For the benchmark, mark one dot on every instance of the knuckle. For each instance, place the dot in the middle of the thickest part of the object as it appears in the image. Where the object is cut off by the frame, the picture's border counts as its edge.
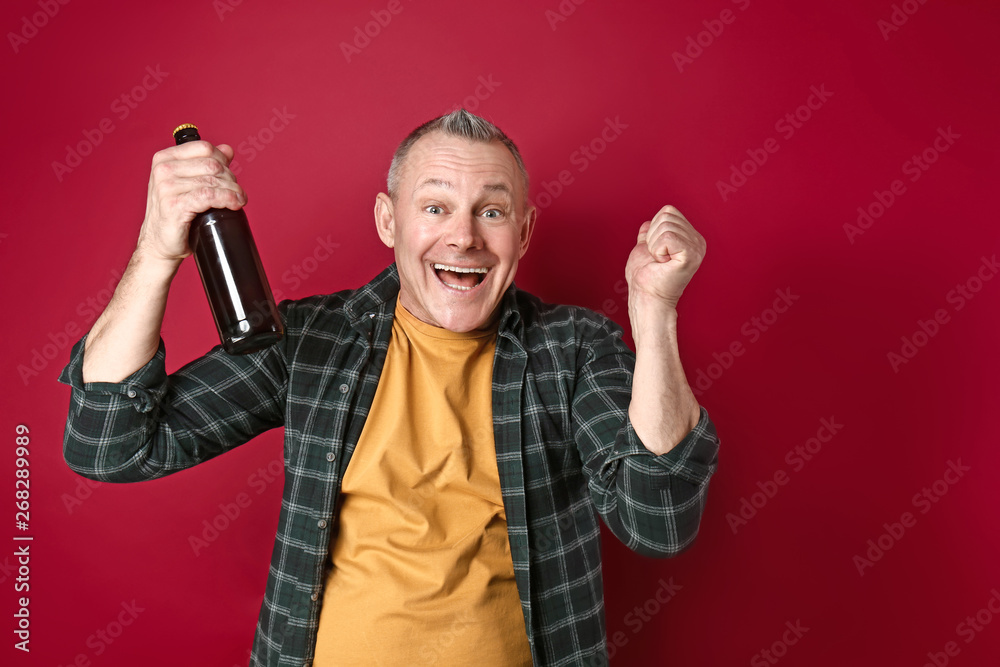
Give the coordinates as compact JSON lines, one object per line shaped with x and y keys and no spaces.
{"x":213,"y":166}
{"x":200,"y":148}
{"x":160,"y":156}
{"x":161,"y":170}
{"x":205,"y":193}
{"x":169,"y":204}
{"x":206,"y":180}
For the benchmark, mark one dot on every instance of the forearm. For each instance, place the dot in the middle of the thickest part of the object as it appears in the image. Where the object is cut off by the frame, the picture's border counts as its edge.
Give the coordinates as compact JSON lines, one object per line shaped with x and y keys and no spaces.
{"x":127,"y":334}
{"x":663,"y":408}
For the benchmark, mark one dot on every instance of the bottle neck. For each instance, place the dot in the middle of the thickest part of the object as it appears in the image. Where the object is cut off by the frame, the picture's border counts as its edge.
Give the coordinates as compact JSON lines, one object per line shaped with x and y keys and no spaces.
{"x":186,"y":135}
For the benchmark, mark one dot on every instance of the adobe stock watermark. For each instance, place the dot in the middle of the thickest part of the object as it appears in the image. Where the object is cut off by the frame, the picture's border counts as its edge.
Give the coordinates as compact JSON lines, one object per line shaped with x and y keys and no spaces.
{"x":612,"y":305}
{"x":83,"y":491}
{"x":797,"y":458}
{"x":56,"y":341}
{"x":30,"y":25}
{"x":779,"y":647}
{"x":581,"y":158}
{"x":968,"y":629}
{"x":254,"y":144}
{"x":470,"y":447}
{"x":7,"y":569}
{"x":638,"y":618}
{"x":752,"y":329}
{"x":915,"y":167}
{"x":563,"y":11}
{"x":223,"y":7}
{"x":302,"y":269}
{"x":278,"y":636}
{"x":121,"y":107}
{"x":548,"y":538}
{"x":430,"y":654}
{"x":958,"y":296}
{"x":922,"y":501}
{"x":786,"y":126}
{"x":484,"y":90}
{"x":898,"y":18}
{"x":229,"y":512}
{"x":365,"y":34}
{"x":695,"y":45}
{"x":103,"y":637}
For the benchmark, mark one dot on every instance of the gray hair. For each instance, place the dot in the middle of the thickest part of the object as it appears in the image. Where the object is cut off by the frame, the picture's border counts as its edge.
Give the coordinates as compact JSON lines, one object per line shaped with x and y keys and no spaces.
{"x":458,"y":123}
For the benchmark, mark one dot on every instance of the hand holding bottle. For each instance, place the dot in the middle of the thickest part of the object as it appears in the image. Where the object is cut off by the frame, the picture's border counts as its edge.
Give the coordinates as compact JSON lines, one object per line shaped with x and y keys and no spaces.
{"x":185,"y":180}
{"x":224,"y":250}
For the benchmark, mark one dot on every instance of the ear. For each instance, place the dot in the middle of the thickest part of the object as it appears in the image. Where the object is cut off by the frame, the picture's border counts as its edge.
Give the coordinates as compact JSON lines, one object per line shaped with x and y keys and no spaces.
{"x":385,"y":220}
{"x":527,"y":228}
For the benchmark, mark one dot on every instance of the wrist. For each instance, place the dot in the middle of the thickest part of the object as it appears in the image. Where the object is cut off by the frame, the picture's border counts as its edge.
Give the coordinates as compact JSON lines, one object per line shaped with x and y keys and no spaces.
{"x":651,"y":317}
{"x":152,"y":266}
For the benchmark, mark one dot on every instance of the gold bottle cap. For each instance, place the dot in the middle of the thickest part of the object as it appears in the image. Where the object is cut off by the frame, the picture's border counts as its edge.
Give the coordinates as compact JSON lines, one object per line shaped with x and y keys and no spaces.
{"x":184,"y":127}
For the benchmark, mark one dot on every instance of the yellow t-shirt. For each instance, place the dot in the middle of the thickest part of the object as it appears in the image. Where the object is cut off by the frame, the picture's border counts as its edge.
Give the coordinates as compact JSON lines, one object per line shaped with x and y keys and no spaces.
{"x":422,"y":572}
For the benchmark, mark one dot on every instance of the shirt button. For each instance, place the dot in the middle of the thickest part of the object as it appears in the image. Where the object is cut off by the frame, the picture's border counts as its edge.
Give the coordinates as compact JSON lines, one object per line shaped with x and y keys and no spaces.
{"x":314,"y":597}
{"x":330,"y":456}
{"x":344,"y":389}
{"x":321,"y":523}
{"x":131,"y":393}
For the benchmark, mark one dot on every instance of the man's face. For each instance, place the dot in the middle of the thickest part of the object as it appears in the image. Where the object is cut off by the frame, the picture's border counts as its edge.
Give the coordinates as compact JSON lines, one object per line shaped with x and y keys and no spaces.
{"x":460,"y":206}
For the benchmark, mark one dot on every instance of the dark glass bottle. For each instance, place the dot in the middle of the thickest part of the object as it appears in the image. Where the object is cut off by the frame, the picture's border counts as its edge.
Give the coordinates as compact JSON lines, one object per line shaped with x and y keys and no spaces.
{"x":231,"y":271}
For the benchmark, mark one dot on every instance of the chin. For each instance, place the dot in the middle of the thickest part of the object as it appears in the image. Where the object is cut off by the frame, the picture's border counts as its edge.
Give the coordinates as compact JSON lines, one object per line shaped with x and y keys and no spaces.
{"x":463,"y":320}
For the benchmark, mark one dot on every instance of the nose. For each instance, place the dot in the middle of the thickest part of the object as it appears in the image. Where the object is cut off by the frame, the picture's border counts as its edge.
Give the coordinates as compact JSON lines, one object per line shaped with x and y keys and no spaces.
{"x":463,"y":233}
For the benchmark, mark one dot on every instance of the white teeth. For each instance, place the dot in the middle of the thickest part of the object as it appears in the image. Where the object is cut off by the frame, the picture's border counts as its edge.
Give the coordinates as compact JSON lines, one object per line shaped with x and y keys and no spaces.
{"x":457,"y":269}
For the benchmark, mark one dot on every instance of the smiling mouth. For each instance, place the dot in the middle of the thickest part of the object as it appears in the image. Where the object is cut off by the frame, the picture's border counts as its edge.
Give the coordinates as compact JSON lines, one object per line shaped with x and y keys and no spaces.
{"x":460,"y":278}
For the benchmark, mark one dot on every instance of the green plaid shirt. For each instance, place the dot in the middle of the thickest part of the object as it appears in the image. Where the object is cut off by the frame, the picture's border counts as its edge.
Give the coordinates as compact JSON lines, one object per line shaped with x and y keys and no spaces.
{"x":566,"y":452}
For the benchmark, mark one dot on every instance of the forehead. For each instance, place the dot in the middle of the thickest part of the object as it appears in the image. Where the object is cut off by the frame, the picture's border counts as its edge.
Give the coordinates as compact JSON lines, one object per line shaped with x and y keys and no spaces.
{"x":459,"y":162}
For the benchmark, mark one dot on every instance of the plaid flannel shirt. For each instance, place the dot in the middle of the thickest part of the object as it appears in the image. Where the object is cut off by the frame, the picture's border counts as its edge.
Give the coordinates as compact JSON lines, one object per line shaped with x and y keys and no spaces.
{"x":565,"y":448}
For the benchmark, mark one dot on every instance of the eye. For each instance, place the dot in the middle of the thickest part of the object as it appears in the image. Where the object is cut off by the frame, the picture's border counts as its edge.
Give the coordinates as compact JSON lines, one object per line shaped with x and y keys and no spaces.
{"x":493,"y":213}
{"x":434,"y":210}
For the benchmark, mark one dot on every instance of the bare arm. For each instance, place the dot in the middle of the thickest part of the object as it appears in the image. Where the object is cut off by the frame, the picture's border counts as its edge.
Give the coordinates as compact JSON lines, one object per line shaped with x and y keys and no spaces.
{"x":663,"y":408}
{"x":668,"y":252}
{"x":184,"y":180}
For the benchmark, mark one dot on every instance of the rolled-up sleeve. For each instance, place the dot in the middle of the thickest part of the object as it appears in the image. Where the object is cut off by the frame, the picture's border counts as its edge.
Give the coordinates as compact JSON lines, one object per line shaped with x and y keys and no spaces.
{"x":152,"y":424}
{"x":652,"y":503}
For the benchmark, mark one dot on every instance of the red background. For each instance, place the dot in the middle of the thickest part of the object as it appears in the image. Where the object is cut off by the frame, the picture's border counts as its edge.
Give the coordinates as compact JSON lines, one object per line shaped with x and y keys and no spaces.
{"x":553,"y":84}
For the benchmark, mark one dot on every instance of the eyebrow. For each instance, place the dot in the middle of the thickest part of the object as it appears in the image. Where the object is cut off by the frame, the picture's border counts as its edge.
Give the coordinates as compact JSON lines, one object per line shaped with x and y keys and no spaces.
{"x":447,"y":185}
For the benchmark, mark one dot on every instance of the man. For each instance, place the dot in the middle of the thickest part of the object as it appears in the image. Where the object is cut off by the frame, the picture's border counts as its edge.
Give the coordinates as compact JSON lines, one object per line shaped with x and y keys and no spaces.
{"x":457,"y":525}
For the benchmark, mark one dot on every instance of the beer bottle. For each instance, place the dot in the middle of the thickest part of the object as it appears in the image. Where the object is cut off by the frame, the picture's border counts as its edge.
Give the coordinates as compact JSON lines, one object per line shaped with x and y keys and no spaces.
{"x":232,"y":274}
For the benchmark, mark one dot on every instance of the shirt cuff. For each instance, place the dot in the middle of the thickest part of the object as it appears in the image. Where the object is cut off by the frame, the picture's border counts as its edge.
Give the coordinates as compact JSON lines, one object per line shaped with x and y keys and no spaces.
{"x":693,"y":459}
{"x":143,"y":389}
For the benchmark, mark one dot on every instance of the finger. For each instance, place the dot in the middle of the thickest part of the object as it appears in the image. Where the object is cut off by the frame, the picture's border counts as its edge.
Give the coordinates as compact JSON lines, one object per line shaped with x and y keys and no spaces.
{"x":672,"y":221}
{"x":177,"y":186}
{"x":670,"y":210}
{"x":195,"y":149}
{"x":228,"y":151}
{"x":680,"y":226}
{"x":664,"y":226}
{"x":200,"y":193}
{"x":669,"y":226}
{"x":192,"y":167}
{"x":184,"y":151}
{"x":669,"y":246}
{"x":643,"y":232}
{"x":671,"y":214}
